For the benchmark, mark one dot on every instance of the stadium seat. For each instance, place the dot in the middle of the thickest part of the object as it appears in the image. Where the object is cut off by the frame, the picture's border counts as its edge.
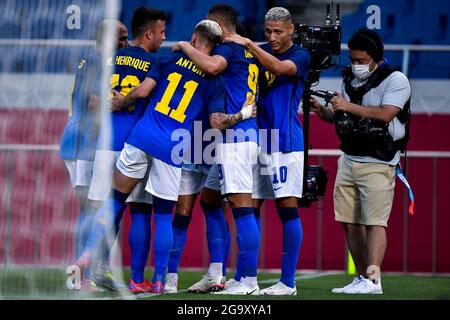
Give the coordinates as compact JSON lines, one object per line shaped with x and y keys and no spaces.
{"x":443,"y":30}
{"x":24,"y":234}
{"x":25,"y":59}
{"x":53,"y":126}
{"x":51,"y":207}
{"x":10,"y":30}
{"x":57,"y":60}
{"x":43,"y":28}
{"x":406,"y":32}
{"x":351,"y":23}
{"x":431,"y":6}
{"x":386,"y":6}
{"x":429,"y":72}
{"x":3,"y":203}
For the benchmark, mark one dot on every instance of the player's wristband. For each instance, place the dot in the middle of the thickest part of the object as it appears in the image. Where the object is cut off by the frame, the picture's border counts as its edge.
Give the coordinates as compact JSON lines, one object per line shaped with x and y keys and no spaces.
{"x":247,"y":112}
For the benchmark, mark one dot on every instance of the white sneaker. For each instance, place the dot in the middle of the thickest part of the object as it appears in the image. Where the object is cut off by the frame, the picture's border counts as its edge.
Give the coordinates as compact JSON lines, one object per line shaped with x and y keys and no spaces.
{"x":355,"y":281}
{"x":230,"y":283}
{"x":366,"y":287}
{"x":240,"y":289}
{"x":171,"y":283}
{"x":207,"y":284}
{"x":279,"y":289}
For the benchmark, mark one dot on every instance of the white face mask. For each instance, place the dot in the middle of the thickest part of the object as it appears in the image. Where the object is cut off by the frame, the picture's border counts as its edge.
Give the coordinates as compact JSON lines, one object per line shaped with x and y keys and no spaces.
{"x":362,"y":71}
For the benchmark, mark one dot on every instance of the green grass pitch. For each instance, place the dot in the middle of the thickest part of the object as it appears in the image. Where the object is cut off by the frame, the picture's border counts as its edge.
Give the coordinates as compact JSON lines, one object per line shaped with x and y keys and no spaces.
{"x":19,"y":283}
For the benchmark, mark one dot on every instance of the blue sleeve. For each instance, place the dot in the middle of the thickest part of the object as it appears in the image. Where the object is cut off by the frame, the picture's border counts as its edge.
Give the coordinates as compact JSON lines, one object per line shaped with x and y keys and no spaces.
{"x":87,"y":78}
{"x":224,"y":50}
{"x":302,"y":59}
{"x":155,"y":70}
{"x":216,"y":101}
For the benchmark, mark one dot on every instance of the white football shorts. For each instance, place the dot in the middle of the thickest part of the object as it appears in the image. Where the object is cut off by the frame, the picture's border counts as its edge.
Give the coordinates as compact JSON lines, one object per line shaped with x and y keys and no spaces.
{"x":163,"y":179}
{"x":80,"y":172}
{"x":104,"y":165}
{"x":279,"y":175}
{"x":235,"y":167}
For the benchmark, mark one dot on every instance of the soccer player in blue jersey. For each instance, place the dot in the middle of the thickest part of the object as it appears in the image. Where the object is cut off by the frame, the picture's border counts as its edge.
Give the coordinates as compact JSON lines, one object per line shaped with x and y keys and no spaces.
{"x":77,"y":145}
{"x":194,"y":173}
{"x":131,"y":65}
{"x":281,"y":164}
{"x":180,"y":93}
{"x":236,"y":158}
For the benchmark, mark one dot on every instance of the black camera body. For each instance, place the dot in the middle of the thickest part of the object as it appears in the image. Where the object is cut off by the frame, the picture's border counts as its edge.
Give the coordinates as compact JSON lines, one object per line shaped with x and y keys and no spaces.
{"x":323,"y":42}
{"x":315,"y":186}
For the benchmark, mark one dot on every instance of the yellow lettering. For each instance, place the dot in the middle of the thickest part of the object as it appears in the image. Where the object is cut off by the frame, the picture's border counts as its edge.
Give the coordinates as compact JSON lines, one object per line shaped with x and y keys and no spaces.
{"x":179,"y":62}
{"x":146,"y":66}
{"x":135,"y":63}
{"x":248,"y":54}
{"x":185,"y":63}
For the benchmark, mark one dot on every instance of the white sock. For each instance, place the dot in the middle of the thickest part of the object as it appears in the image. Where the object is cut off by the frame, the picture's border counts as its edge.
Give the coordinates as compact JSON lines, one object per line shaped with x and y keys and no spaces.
{"x":215,"y":269}
{"x":250,"y":282}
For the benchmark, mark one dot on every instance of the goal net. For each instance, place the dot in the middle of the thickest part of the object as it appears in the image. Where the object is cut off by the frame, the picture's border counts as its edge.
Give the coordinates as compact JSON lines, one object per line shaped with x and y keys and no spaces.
{"x":44,"y":46}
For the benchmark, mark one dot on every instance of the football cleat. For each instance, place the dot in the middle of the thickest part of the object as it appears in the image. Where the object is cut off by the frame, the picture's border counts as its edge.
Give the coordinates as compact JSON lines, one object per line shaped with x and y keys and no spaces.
{"x":230,"y":283}
{"x":279,"y":289}
{"x":207,"y":284}
{"x":157,"y":287}
{"x":136,"y":288}
{"x":240,"y":289}
{"x":87,"y":285}
{"x":171,"y":283}
{"x":106,"y":280}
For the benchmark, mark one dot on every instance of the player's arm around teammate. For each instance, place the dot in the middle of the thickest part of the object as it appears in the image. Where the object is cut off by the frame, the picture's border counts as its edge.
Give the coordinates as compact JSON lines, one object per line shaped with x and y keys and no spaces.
{"x":281,"y":167}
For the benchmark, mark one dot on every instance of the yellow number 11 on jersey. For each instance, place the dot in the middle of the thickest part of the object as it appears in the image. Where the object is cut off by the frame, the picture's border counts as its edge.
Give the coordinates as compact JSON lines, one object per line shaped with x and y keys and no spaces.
{"x":177,"y":114}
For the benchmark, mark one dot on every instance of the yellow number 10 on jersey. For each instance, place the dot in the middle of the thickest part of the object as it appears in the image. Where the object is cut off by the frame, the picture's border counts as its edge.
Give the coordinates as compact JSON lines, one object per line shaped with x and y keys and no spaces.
{"x":126,"y":85}
{"x":179,"y":113}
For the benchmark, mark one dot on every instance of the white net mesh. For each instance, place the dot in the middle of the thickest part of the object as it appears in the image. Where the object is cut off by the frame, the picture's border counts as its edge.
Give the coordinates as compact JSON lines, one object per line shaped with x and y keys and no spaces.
{"x":43,"y":44}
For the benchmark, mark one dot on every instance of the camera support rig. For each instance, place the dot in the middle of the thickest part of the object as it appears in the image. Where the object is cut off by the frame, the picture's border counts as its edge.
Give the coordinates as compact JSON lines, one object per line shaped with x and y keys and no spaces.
{"x":324,"y":45}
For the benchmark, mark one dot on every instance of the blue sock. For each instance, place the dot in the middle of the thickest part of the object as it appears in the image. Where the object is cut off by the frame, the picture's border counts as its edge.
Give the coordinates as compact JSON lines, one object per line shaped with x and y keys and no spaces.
{"x":163,"y":238}
{"x":240,"y":260}
{"x":139,"y":238}
{"x":292,"y":241}
{"x":239,"y":263}
{"x":247,"y":232}
{"x":227,"y":251}
{"x":103,"y":249}
{"x":180,"y":225}
{"x":81,"y":229}
{"x":105,"y":218}
{"x":216,"y":228}
{"x":84,"y":220}
{"x":257,"y":213}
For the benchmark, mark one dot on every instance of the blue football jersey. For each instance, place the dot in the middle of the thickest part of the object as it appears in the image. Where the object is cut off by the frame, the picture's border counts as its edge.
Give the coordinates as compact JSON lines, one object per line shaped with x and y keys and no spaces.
{"x":202,"y":147}
{"x":80,"y":134}
{"x":131,"y":65}
{"x":241,"y":80}
{"x":279,"y":102}
{"x":182,"y":93}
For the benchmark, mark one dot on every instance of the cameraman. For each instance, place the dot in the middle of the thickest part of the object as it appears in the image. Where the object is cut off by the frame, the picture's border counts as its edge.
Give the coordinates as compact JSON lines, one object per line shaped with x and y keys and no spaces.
{"x":369,"y":116}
